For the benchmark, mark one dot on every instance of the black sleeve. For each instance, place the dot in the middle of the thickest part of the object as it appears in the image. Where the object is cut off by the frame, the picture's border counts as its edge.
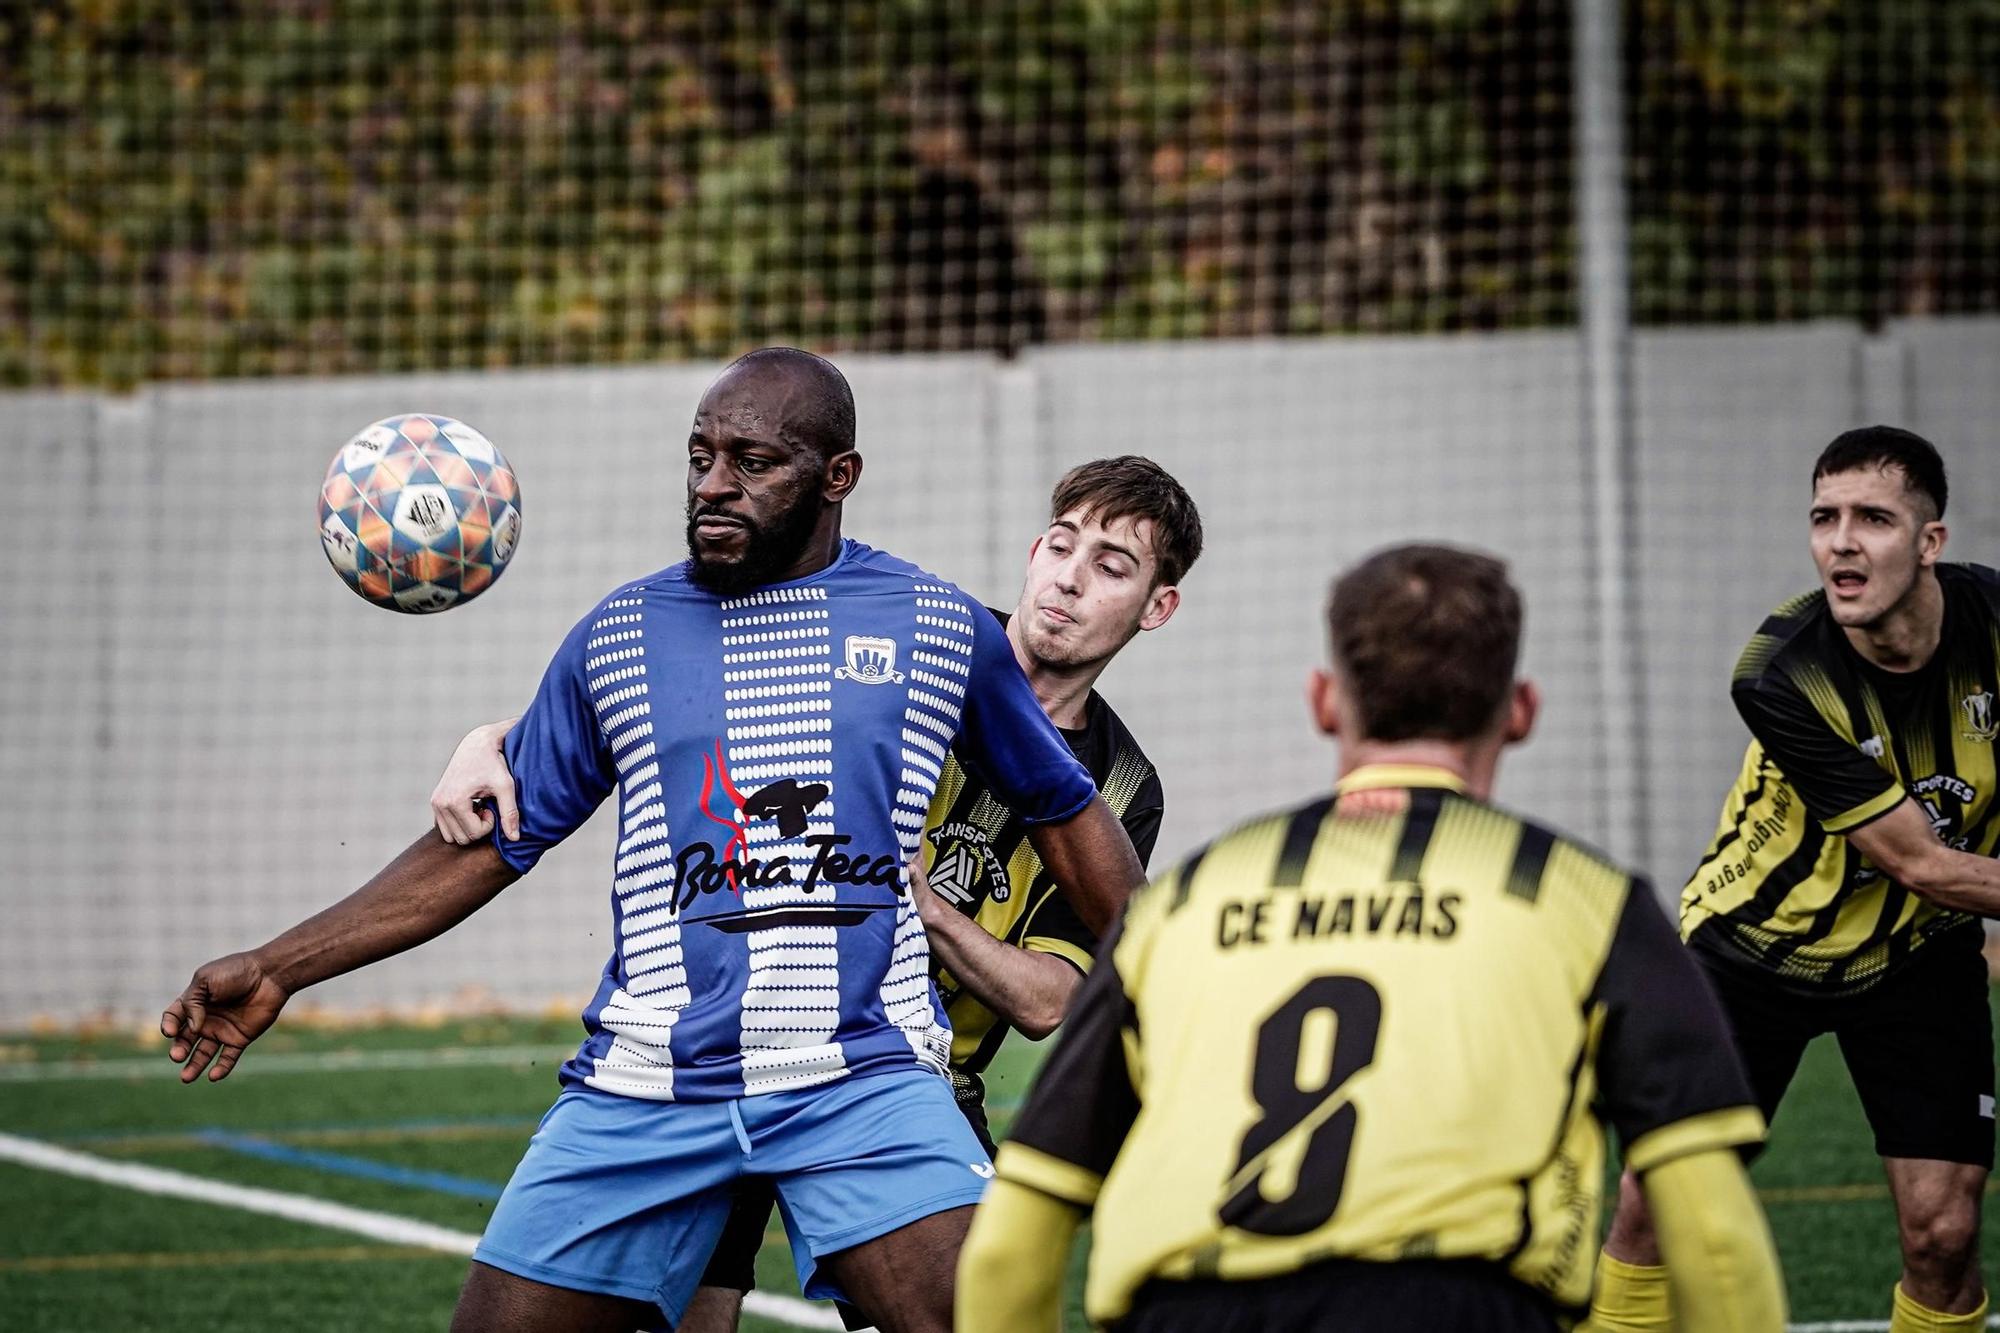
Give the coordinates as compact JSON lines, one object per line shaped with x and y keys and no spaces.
{"x":1083,"y":1103}
{"x":1053,"y":922}
{"x":1665,"y":1058}
{"x":1143,"y":816}
{"x":1053,"y":927}
{"x":1841,"y":787}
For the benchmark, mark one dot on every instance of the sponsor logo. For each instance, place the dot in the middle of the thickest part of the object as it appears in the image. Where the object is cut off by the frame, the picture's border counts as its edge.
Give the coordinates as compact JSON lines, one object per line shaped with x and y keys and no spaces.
{"x":425,"y":598}
{"x":787,"y":802}
{"x":702,"y":868}
{"x":1947,"y":782}
{"x":424,"y":513}
{"x":1940,"y":822}
{"x":984,"y":1170}
{"x":1979,"y":720}
{"x":870,"y":661}
{"x":506,"y":533}
{"x":368,"y":446}
{"x":1958,"y":789}
{"x":341,"y":545}
{"x":965,"y":870}
{"x":1754,"y":840}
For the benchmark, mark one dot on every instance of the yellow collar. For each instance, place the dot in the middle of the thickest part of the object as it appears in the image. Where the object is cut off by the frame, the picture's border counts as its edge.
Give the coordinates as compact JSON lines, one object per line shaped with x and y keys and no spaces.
{"x":1374,"y":777}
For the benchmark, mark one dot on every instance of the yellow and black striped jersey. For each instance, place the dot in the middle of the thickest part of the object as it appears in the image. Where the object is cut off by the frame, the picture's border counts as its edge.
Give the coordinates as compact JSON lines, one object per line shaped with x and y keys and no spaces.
{"x":981,"y":862}
{"x":1838,"y":742}
{"x":1389,"y":1024}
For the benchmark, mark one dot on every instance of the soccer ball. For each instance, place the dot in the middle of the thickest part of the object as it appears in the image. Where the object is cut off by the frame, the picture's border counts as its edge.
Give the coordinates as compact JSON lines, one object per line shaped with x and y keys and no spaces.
{"x":419,"y":513}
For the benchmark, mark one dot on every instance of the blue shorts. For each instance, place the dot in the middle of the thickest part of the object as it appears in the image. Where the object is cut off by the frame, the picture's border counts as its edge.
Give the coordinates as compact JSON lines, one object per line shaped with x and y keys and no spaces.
{"x":627,"y":1196}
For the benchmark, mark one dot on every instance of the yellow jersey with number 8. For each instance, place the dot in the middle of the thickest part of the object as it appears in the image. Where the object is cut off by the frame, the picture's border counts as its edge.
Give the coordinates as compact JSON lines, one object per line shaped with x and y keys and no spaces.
{"x":1380,"y":1026}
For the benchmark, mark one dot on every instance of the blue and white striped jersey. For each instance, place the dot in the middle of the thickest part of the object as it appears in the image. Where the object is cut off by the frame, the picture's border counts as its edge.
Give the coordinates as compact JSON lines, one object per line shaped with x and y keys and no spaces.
{"x":773,"y":756}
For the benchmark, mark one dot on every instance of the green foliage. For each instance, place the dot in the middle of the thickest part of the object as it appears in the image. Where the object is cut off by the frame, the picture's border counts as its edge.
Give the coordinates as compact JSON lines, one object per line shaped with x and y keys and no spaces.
{"x":328,"y":186}
{"x":1797,"y":159}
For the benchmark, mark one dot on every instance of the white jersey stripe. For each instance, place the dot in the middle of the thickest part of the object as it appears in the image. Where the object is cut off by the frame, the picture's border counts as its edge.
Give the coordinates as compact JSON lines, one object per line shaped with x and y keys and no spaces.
{"x":786,"y":1011}
{"x":641,"y":1015}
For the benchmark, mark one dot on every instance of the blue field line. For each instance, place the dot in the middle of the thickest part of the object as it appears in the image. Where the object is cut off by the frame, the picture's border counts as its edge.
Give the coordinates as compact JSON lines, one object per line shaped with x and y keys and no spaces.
{"x":249,"y":1145}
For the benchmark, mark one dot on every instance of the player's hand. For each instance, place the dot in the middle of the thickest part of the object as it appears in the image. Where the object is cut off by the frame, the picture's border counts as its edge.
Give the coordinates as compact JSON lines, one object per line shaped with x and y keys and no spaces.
{"x":227,"y":1006}
{"x":927,"y":903}
{"x":477,"y":771}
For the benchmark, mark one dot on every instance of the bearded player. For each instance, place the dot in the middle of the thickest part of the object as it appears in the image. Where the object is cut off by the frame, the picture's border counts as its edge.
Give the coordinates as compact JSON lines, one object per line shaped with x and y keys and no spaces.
{"x":774,"y":714}
{"x":1008,"y":948}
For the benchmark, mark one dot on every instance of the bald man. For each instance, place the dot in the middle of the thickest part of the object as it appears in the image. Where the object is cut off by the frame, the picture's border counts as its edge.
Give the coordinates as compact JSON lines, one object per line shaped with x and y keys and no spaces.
{"x":773,"y":713}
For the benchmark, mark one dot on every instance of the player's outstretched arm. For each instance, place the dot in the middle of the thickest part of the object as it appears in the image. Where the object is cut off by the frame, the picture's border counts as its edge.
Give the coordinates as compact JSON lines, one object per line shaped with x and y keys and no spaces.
{"x":1907,"y":849}
{"x":1030,"y":990}
{"x":1090,"y":856}
{"x":477,"y":771}
{"x":1716,"y":1244}
{"x":418,"y":896}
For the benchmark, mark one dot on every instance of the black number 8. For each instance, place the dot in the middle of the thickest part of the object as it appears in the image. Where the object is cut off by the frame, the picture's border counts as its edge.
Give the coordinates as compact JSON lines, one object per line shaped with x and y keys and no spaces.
{"x":1275,"y":1075}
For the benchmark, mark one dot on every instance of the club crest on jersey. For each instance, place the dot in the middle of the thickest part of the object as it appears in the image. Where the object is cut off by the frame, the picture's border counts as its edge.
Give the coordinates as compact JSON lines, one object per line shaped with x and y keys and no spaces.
{"x":870,"y":661}
{"x":1979,"y":721}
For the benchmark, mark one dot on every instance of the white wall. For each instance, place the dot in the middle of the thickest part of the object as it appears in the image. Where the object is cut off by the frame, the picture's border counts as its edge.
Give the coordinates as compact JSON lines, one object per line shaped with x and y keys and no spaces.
{"x":204,"y":736}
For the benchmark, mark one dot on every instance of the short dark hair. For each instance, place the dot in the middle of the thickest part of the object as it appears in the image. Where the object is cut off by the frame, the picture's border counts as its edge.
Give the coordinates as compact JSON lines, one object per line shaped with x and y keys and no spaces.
{"x":1129,"y":486}
{"x":824,"y":419}
{"x":1887,"y":447}
{"x":1425,"y":639}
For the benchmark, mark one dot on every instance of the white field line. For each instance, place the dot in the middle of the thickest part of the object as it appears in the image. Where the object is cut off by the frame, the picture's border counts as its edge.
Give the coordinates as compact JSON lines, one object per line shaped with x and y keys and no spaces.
{"x":178,"y":1185}
{"x":319,"y":1212}
{"x":295,"y":1062}
{"x":1859,"y":1325}
{"x":403,"y":1231}
{"x":790,"y":1310}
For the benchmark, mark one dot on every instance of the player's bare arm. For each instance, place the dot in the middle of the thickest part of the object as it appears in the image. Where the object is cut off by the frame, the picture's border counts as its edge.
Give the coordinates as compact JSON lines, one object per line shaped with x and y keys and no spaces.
{"x":477,"y":772}
{"x":428,"y":889}
{"x":1030,"y":990}
{"x":1091,"y":857}
{"x":1905,"y":846}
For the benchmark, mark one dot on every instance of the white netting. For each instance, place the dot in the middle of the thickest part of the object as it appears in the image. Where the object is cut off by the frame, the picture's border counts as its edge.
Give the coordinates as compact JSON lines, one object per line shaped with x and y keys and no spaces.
{"x":1318,"y":260}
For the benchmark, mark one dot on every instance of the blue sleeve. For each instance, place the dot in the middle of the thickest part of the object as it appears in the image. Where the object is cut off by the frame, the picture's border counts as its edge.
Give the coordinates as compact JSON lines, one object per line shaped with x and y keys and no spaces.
{"x":1009,"y":741}
{"x":562,"y":767}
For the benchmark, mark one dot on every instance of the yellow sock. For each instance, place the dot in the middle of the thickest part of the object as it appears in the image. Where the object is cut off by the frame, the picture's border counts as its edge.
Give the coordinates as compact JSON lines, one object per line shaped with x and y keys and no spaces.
{"x":1630,"y":1298}
{"x":1910,"y":1317}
